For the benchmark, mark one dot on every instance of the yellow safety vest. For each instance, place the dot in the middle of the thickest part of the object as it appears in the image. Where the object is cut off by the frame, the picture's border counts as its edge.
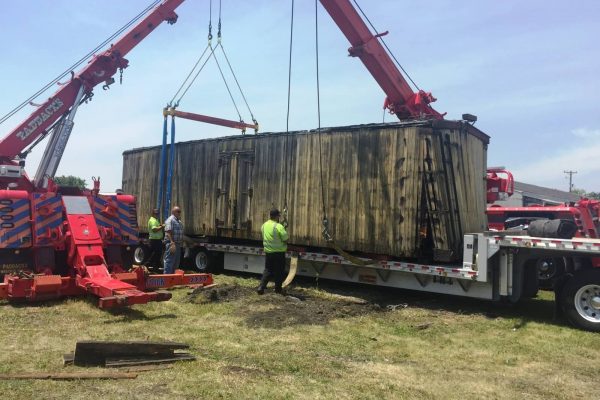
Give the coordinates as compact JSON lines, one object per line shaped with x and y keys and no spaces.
{"x":274,"y":237}
{"x":153,"y":223}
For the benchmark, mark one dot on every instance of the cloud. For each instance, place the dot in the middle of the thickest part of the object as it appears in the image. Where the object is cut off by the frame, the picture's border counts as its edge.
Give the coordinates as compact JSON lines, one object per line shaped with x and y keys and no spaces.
{"x":584,"y":159}
{"x":586,"y":133}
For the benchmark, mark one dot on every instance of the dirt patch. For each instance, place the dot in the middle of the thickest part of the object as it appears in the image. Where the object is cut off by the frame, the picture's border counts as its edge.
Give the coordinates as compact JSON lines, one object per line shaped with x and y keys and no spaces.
{"x":219,"y":294}
{"x":301,"y":309}
{"x":297,"y":307}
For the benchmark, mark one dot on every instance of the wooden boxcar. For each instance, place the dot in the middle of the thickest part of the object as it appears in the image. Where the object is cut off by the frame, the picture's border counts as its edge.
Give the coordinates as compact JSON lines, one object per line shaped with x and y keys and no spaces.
{"x":406,"y":190}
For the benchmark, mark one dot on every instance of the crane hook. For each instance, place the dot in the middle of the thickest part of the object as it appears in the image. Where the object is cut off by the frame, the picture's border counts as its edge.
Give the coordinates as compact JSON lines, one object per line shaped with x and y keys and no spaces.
{"x":107,"y":83}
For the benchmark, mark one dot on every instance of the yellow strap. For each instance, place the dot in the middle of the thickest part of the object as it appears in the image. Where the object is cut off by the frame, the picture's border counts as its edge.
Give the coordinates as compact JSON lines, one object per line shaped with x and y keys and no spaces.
{"x":350,"y":257}
{"x":293,"y":270}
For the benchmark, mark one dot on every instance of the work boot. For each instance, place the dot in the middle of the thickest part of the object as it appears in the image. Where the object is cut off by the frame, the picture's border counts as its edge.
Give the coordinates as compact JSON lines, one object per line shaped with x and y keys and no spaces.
{"x":260,"y":291}
{"x":280,"y":291}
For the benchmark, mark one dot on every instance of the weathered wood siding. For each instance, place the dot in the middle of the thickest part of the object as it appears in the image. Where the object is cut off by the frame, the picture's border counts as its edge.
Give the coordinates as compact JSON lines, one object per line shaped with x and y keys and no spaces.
{"x":404,"y":190}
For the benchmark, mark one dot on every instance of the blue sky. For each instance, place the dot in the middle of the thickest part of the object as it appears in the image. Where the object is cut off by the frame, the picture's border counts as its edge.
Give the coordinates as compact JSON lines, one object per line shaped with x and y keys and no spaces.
{"x":527,"y":69}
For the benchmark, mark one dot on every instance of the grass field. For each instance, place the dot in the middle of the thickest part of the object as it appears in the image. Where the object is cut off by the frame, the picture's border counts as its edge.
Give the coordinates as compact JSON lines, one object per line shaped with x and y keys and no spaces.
{"x":331,"y":341}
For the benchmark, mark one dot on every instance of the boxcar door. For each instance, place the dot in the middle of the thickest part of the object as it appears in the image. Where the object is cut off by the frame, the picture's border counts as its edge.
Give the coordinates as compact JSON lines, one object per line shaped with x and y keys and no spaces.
{"x":234,"y":193}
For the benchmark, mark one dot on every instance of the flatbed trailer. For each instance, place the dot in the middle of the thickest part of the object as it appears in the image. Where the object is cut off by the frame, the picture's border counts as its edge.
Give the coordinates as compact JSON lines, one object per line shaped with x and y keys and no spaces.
{"x":495,"y":267}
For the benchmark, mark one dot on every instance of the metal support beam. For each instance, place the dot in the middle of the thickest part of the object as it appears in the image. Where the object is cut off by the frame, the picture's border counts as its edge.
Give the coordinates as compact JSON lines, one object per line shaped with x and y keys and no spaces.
{"x":212,"y":120}
{"x":56,"y":145}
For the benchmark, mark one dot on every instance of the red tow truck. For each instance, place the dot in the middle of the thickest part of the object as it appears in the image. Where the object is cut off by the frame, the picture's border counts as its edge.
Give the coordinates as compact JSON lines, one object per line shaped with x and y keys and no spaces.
{"x":583,"y":213}
{"x":62,"y":241}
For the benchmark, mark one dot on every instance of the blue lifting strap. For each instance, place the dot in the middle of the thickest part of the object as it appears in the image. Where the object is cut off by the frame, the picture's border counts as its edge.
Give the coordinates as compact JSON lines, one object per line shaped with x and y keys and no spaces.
{"x":170,"y":171}
{"x":161,"y":172}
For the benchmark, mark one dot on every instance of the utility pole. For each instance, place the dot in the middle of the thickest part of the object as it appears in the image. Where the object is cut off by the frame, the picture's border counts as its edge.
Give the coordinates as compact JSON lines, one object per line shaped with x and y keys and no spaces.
{"x":570,"y":173}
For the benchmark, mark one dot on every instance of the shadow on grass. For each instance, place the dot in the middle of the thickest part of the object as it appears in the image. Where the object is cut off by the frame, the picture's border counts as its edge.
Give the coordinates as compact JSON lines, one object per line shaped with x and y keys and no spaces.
{"x":376,"y":299}
{"x":537,"y":310}
{"x":33,"y":304}
{"x":127,"y":314}
{"x":541,"y":309}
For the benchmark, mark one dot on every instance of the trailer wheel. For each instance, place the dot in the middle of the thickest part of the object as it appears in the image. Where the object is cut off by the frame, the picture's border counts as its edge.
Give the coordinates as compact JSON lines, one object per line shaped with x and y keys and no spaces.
{"x":199,"y":260}
{"x":140,"y":254}
{"x":580,"y":299}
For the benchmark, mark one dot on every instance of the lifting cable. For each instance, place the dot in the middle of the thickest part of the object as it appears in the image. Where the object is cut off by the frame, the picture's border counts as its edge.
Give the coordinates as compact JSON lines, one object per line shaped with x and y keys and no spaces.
{"x":236,"y":81}
{"x":166,"y":166}
{"x":326,"y":234}
{"x":176,"y":103}
{"x":325,"y":221}
{"x":287,"y":121}
{"x":219,"y":44}
{"x":79,"y":62}
{"x":377,"y":35}
{"x":225,"y":82}
{"x":199,"y":66}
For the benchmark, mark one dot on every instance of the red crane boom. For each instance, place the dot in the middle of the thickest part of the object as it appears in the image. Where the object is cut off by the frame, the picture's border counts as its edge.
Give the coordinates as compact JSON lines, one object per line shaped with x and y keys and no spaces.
{"x":94,"y":233}
{"x":100,"y":69}
{"x":401,"y":100}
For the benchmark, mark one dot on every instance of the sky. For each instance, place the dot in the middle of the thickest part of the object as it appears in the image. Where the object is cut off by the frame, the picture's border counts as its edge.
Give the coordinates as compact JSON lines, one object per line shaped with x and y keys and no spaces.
{"x":527,"y":69}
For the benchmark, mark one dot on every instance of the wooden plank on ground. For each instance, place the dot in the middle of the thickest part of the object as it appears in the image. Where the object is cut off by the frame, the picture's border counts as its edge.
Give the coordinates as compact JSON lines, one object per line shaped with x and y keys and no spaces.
{"x":89,"y":353}
{"x":125,"y":362}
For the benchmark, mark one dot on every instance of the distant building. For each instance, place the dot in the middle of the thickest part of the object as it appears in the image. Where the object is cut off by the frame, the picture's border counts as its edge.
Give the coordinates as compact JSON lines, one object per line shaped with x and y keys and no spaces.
{"x":526,"y":195}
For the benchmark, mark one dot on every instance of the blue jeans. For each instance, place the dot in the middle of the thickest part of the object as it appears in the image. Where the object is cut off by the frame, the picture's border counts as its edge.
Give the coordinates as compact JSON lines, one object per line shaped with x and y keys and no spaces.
{"x":171,"y":260}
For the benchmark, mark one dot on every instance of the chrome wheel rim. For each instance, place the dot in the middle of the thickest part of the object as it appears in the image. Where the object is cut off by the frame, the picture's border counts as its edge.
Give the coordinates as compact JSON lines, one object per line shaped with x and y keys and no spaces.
{"x":587,"y":302}
{"x":138,"y":255}
{"x":201,"y":261}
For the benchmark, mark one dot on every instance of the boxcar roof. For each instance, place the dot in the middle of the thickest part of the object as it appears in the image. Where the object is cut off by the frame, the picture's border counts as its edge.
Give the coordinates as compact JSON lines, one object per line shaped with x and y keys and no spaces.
{"x":436,"y":124}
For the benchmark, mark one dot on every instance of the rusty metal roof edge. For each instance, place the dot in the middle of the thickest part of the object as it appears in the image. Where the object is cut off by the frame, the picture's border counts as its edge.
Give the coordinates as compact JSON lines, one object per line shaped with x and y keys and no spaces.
{"x":450,"y":124}
{"x":442,"y":124}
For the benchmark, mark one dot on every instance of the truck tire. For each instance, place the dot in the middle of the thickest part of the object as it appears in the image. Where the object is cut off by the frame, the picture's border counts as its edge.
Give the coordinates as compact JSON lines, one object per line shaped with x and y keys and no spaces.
{"x":199,"y":260}
{"x":580,"y":299}
{"x":141,"y":254}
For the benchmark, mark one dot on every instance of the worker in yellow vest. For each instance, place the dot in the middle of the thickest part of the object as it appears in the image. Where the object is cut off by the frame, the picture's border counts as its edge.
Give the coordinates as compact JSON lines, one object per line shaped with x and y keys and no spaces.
{"x":275,"y":245}
{"x":155,"y":234}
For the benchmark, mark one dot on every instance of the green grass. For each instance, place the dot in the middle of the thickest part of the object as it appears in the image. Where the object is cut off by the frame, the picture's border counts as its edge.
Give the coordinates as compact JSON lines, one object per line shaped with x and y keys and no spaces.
{"x":325,"y":347}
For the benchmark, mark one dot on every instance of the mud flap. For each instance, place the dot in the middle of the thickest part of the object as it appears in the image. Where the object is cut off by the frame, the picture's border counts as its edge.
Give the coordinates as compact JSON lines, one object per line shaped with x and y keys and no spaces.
{"x":293,"y":270}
